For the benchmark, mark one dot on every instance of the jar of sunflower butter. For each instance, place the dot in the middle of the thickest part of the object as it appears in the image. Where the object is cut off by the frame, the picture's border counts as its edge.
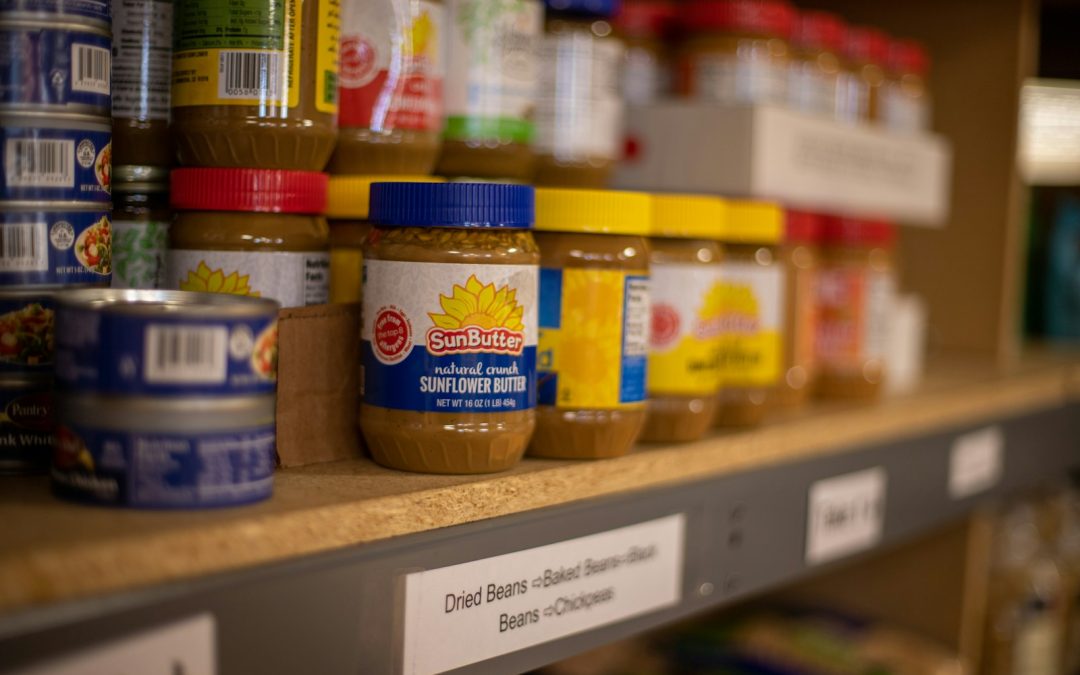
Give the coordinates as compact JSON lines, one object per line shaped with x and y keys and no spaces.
{"x":254,"y":83}
{"x":250,"y":232}
{"x":855,"y":290}
{"x":449,"y":332}
{"x":905,"y":104}
{"x":735,"y":51}
{"x":580,"y":110}
{"x":140,"y":226}
{"x":684,"y":345}
{"x":643,"y":26}
{"x":490,"y":97}
{"x":814,"y":74}
{"x":753,"y":312}
{"x":390,"y":87}
{"x":866,"y":51}
{"x":800,"y":256}
{"x":594,"y":321}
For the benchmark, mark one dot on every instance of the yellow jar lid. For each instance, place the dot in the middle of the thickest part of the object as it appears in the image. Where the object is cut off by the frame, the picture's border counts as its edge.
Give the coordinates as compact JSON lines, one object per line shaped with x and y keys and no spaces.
{"x":754,"y":222}
{"x":689,"y":216}
{"x":593,"y":211}
{"x":349,"y":196}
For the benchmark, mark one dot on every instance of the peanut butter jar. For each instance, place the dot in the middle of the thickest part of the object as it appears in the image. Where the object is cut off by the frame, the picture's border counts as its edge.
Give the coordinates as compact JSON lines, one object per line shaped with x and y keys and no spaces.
{"x":905,"y":104}
{"x":594,"y":321}
{"x":449,"y":331}
{"x":685,"y":340}
{"x":866,"y":51}
{"x":801,"y":256}
{"x":814,"y":74}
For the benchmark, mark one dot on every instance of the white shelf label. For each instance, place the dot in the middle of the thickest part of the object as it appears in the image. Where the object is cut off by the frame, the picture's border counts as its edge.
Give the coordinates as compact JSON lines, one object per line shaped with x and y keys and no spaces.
{"x":846,"y":514}
{"x":976,"y":461}
{"x":459,"y":615}
{"x":183,"y":648}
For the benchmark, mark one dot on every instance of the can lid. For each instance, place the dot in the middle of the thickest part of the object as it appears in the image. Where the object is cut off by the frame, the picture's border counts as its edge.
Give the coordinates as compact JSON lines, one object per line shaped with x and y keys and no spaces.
{"x":804,"y":227}
{"x":689,"y":216}
{"x":845,"y":231}
{"x":772,"y":17}
{"x":646,"y":18}
{"x":350,"y":196}
{"x":824,"y":31}
{"x":480,"y":205}
{"x":596,"y":8}
{"x":755,"y":222}
{"x":865,"y":44}
{"x":593,"y":211}
{"x":182,"y":303}
{"x":135,"y":173}
{"x":908,"y":56}
{"x":262,"y":190}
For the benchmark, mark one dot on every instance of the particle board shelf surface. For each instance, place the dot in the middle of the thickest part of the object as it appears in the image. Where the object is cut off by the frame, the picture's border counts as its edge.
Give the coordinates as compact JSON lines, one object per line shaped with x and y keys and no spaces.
{"x":52,"y":551}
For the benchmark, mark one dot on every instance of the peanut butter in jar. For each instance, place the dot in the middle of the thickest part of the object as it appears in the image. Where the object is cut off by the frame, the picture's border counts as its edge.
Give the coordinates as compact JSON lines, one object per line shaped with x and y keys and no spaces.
{"x":800,"y":255}
{"x":866,"y":51}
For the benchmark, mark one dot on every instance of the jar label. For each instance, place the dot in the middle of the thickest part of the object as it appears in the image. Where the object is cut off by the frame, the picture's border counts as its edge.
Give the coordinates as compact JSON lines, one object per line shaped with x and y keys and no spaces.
{"x":142,"y":59}
{"x":684,"y":347}
{"x":293,"y":279}
{"x":901,"y":112}
{"x":54,"y":67}
{"x":27,"y":334}
{"x":49,"y":164}
{"x":392,"y":65}
{"x":45,"y":248}
{"x":812,"y":91}
{"x":594,"y":338}
{"x":492,"y":70}
{"x":139,"y":253}
{"x":327,"y":47}
{"x":752,"y":324}
{"x":164,"y":470}
{"x":444,"y":337}
{"x":26,"y":424}
{"x":746,"y":78}
{"x":853,"y":321}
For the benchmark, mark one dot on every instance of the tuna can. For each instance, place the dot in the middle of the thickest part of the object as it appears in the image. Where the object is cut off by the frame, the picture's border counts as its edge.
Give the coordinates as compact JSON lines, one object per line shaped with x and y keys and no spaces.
{"x":165,"y":343}
{"x":89,"y":12}
{"x":26,"y":423}
{"x":43,"y":244}
{"x":197,"y":452}
{"x":62,"y":157}
{"x":54,"y":68}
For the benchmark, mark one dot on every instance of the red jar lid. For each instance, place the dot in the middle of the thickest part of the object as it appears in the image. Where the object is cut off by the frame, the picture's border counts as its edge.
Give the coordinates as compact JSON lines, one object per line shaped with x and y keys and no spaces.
{"x":645,"y":18}
{"x":804,"y":226}
{"x":866,"y":45}
{"x":844,"y":231}
{"x":823,"y":31}
{"x":908,"y":56}
{"x":765,"y":17}
{"x":262,"y":190}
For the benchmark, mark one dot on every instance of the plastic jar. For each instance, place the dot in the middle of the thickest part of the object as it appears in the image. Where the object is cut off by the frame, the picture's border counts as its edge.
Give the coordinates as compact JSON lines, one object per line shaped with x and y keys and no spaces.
{"x":250,"y":232}
{"x":390,"y":87}
{"x":866,"y":51}
{"x":140,"y":225}
{"x":254,"y":84}
{"x":642,"y":25}
{"x":449,"y":334}
{"x":814,"y":74}
{"x":801,"y":256}
{"x":753,"y":313}
{"x":347,"y":212}
{"x":735,"y":51}
{"x":580,"y":110}
{"x":905,"y":103}
{"x":684,"y":345}
{"x":594,"y":322}
{"x":491,"y":88}
{"x":856,"y":287}
{"x":141,"y":74}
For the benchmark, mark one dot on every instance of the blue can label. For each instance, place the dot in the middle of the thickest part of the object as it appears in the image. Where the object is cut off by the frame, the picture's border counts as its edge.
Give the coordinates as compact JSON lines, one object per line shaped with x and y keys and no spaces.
{"x":54,"y":68}
{"x":27,"y":329}
{"x":26,"y":424}
{"x":164,"y":470}
{"x":97,"y":10}
{"x":116,"y":353}
{"x":55,"y":248}
{"x":46,"y":164}
{"x":440,"y":337}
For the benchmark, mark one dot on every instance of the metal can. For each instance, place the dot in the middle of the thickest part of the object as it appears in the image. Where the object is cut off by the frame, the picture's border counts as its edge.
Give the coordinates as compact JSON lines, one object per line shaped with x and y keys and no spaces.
{"x":91,"y":12}
{"x":54,"y":68}
{"x":26,"y":423}
{"x":27,"y":330}
{"x":164,"y":453}
{"x":165,"y":343}
{"x":40,"y":246}
{"x":55,"y":157}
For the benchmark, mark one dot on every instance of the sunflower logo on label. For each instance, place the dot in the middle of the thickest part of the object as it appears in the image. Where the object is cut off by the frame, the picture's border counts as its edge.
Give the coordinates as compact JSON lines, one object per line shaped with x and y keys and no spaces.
{"x":205,"y":280}
{"x":477,"y":318}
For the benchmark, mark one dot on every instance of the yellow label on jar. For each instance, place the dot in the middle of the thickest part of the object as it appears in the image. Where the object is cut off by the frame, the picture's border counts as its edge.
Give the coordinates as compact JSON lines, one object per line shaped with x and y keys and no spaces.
{"x":326,"y":58}
{"x":346,"y":275}
{"x":684,"y":345}
{"x":752,"y":323}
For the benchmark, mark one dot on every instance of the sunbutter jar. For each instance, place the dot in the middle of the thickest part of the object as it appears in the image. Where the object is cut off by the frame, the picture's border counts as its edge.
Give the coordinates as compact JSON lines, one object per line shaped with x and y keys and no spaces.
{"x":449,"y":332}
{"x":255,"y":84}
{"x":250,"y":232}
{"x":684,"y":342}
{"x":594,"y":321}
{"x":754,"y":312}
{"x":801,"y":256}
{"x":141,"y":217}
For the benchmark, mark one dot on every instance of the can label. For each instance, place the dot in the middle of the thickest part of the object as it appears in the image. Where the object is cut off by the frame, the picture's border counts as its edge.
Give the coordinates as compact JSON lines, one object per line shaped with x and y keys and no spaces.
{"x":117,"y":353}
{"x":444,"y":337}
{"x":142,"y":68}
{"x":45,"y":248}
{"x":44,"y":164}
{"x":54,"y":68}
{"x":139,"y":253}
{"x":293,"y":279}
{"x":27,"y":334}
{"x":684,"y":345}
{"x":752,"y":324}
{"x":26,"y":427}
{"x":97,"y":10}
{"x":594,"y":338}
{"x":164,"y":470}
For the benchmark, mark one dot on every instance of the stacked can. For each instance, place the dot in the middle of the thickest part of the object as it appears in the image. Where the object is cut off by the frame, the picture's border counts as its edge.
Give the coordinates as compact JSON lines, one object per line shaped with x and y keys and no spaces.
{"x":56,"y":158}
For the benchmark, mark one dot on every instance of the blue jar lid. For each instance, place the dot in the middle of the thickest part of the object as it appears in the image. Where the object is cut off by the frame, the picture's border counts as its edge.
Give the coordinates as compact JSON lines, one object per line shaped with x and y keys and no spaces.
{"x":597,"y":8}
{"x":452,"y":205}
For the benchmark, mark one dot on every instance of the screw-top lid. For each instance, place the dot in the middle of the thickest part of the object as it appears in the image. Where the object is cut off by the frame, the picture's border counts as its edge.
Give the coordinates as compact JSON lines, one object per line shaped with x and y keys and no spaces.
{"x":755,"y":222}
{"x":767,"y":17}
{"x":689,"y":216}
{"x":645,"y":18}
{"x":804,"y":227}
{"x":595,"y":8}
{"x":350,"y":196}
{"x":492,"y":205}
{"x":593,"y":211}
{"x":866,"y":45}
{"x":908,"y":56}
{"x":844,"y":231}
{"x":822,"y":31}
{"x":262,"y":190}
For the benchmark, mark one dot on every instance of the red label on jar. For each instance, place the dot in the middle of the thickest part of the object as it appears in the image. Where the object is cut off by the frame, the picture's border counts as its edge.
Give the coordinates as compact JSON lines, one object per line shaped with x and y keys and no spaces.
{"x":393,"y":335}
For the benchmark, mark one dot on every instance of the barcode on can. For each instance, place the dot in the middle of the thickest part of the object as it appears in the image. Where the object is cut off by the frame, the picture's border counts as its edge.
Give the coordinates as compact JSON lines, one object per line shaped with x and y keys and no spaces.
{"x":186,"y":354}
{"x":24,"y":247}
{"x":90,"y":69}
{"x":39,"y":162}
{"x":250,"y":75}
